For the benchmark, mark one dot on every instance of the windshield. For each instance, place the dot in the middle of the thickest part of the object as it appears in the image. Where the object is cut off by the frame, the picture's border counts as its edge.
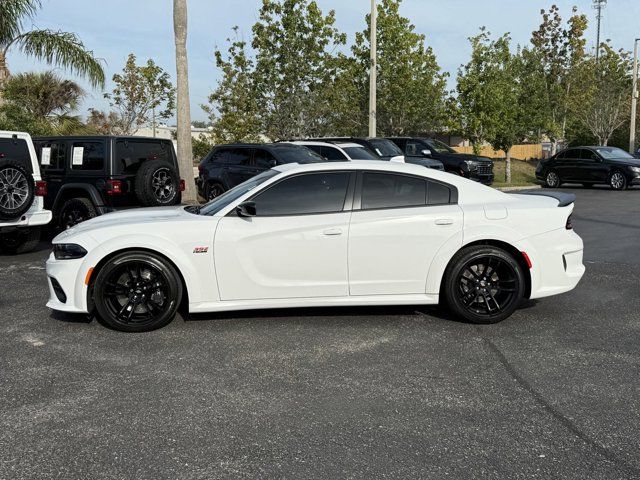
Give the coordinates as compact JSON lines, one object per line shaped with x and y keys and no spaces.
{"x":613,"y":152}
{"x":297,"y":154}
{"x":385,"y":148}
{"x":360,"y":153}
{"x":440,"y":147}
{"x":228,"y":197}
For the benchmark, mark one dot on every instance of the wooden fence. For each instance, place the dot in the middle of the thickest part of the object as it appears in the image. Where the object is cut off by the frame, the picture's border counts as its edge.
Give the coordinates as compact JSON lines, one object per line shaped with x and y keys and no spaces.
{"x":520,"y":152}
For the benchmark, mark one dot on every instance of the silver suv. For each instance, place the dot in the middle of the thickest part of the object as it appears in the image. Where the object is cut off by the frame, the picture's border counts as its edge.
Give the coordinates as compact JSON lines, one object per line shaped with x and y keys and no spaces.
{"x":22,"y":190}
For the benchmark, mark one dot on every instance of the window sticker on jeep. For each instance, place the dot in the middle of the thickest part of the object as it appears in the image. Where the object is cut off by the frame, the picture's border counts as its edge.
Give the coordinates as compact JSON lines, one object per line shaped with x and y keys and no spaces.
{"x":78,"y":155}
{"x":45,"y":157}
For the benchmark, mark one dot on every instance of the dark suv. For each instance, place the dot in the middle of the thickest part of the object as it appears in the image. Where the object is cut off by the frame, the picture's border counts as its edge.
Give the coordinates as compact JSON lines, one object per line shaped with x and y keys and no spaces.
{"x":90,"y":176}
{"x":229,"y":165}
{"x":466,"y":165}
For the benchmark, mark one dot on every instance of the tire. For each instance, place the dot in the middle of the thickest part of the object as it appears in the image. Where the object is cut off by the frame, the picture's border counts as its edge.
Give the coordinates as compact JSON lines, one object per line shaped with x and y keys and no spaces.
{"x":213,"y":190}
{"x":16,"y":190}
{"x":476,"y":298}
{"x":157,"y":184}
{"x":137,"y":292}
{"x":617,"y":180}
{"x":552,"y":179}
{"x":22,"y":240}
{"x":75,"y":211}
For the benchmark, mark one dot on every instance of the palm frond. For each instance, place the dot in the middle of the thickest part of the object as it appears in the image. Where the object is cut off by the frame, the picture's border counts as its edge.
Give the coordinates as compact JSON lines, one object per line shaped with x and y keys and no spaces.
{"x":12,"y":13}
{"x":65,"y":50}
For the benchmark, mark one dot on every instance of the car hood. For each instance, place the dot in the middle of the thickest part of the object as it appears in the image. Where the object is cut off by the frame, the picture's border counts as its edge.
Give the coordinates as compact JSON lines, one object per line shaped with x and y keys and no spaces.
{"x":122,"y":218}
{"x":466,"y":156}
{"x":632,"y":162}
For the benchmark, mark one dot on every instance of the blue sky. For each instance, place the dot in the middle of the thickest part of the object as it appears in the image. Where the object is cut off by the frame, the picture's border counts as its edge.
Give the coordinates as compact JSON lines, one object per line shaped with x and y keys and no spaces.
{"x":114,"y":28}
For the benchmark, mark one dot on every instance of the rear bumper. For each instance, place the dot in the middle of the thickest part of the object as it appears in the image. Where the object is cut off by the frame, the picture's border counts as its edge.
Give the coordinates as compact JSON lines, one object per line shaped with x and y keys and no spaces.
{"x":556,"y":259}
{"x":29,"y":219}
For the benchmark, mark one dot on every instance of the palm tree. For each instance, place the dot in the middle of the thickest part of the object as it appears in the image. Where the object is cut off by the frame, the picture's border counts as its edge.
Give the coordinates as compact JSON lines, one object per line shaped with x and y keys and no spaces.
{"x":59,"y":48}
{"x":185,"y":153}
{"x":43,"y":95}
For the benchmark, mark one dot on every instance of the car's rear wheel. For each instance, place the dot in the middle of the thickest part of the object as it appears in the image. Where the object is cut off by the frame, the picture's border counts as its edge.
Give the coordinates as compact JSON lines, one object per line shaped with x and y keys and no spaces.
{"x":213,"y":191}
{"x":552,"y":180}
{"x":75,"y":211}
{"x":617,"y":180}
{"x":137,"y":292}
{"x":484,"y":284}
{"x":157,"y":184}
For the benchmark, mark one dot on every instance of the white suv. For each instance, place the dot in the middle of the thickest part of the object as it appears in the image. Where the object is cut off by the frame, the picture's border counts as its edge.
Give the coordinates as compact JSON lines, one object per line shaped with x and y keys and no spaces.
{"x":22,"y":190}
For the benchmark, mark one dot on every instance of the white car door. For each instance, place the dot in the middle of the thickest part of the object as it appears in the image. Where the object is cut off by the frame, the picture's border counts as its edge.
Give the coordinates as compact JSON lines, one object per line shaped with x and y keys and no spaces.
{"x":294,"y":247}
{"x":401,"y":223}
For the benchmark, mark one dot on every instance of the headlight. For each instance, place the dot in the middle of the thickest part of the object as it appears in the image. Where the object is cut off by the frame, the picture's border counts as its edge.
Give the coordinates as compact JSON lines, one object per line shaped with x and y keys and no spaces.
{"x":68,"y":251}
{"x":635,"y":169}
{"x":472,"y":164}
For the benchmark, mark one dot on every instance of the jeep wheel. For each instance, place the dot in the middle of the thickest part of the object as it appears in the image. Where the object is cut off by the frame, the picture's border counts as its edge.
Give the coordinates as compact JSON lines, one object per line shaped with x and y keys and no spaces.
{"x":157,"y":184}
{"x":74,"y":211}
{"x":16,"y":190}
{"x":22,"y":240}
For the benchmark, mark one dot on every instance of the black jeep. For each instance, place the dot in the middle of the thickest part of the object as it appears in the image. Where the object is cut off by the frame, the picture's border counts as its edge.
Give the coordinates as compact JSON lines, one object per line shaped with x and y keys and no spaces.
{"x":90,"y":176}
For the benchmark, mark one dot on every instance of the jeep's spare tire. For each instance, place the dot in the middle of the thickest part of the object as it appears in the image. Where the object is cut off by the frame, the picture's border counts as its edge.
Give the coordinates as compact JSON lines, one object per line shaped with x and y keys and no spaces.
{"x":16,"y":189}
{"x":157,"y":184}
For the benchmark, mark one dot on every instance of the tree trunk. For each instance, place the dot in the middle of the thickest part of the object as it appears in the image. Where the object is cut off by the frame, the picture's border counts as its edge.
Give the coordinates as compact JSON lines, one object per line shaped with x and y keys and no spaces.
{"x":4,"y":75}
{"x":185,"y":152}
{"x":507,"y":167}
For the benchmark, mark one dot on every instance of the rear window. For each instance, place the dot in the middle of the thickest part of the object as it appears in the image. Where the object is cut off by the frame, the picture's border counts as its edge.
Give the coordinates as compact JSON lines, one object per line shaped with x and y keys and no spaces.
{"x":16,"y":149}
{"x":385,"y":148}
{"x":232,"y":156}
{"x":360,"y":153}
{"x":130,"y":154}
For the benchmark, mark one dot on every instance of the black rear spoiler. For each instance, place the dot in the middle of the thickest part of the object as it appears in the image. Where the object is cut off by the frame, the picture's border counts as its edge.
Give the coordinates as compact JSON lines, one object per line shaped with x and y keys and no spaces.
{"x":564,"y":199}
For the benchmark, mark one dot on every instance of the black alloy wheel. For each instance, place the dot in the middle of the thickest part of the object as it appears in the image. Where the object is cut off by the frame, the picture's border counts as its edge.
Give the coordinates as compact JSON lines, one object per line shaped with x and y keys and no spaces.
{"x":162,"y":184}
{"x":552,"y":180}
{"x":137,"y":292}
{"x":214,"y":190}
{"x":484,"y":284}
{"x":75,"y":211}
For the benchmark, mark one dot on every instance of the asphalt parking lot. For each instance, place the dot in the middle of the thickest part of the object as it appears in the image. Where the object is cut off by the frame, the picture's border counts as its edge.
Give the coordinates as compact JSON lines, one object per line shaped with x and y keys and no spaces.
{"x":552,"y":392}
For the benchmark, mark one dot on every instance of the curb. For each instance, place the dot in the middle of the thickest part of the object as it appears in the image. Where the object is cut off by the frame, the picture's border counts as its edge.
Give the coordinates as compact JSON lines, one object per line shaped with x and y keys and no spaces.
{"x":515,"y":189}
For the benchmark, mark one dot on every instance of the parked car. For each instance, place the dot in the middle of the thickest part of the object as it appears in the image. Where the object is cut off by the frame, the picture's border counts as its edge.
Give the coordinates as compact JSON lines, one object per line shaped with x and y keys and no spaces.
{"x":22,"y":212}
{"x":229,"y":165}
{"x":466,"y":165}
{"x":90,"y":176}
{"x":382,"y":147}
{"x":337,"y":151}
{"x":322,"y":234}
{"x":589,"y":166}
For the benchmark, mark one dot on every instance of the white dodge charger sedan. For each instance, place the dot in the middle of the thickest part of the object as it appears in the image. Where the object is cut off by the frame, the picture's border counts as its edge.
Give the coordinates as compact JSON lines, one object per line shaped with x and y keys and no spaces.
{"x":325,"y":234}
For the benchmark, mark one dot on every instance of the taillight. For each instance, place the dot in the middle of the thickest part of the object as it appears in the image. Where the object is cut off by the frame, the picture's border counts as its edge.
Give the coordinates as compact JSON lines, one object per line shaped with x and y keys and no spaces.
{"x":569,"y":225}
{"x":114,"y":187}
{"x":200,"y":169}
{"x":41,"y":188}
{"x":182,"y":185}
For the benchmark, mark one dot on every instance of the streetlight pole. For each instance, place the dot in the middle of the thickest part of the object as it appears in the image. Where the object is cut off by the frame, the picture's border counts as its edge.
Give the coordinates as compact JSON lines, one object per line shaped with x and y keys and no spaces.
{"x":373,"y":70}
{"x":634,"y":99}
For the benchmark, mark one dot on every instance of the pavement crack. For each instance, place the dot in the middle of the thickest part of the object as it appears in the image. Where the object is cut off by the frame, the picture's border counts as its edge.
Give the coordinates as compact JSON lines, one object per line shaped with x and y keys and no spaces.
{"x":553,"y":411}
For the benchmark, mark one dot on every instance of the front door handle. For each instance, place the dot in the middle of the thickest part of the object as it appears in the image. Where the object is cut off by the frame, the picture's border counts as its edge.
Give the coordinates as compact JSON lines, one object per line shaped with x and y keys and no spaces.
{"x":444,"y":221}
{"x":332,"y":231}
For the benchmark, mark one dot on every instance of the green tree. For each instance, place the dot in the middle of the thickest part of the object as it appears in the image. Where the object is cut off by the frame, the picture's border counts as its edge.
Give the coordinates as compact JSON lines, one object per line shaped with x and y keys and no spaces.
{"x":604,"y":87}
{"x":54,"y":47}
{"x":562,"y":49}
{"x":233,"y":105}
{"x":411,"y":86}
{"x":293,"y":41}
{"x":142,"y":94}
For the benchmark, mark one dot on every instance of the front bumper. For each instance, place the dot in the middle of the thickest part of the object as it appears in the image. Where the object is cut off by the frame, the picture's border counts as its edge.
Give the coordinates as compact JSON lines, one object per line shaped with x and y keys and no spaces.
{"x":66,"y":274}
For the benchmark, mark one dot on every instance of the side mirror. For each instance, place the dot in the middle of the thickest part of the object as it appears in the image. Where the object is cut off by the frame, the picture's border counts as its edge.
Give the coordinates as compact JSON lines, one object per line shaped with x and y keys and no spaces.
{"x":273,"y":163}
{"x":246,"y":209}
{"x":426,"y":152}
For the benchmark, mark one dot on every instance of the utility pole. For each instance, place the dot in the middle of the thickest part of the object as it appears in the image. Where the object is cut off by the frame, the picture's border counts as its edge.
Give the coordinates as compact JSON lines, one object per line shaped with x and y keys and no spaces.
{"x":634,"y":99}
{"x":599,"y":6}
{"x":373,"y":81}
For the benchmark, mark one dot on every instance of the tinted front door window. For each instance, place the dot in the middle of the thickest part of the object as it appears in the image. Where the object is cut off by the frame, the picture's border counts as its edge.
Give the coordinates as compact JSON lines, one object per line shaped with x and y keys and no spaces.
{"x":414,"y":149}
{"x":304,"y":194}
{"x":263,"y":159}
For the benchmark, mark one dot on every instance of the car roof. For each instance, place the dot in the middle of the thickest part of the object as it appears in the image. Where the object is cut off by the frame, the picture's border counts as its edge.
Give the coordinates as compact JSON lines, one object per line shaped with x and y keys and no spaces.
{"x":99,"y":137}
{"x":349,"y":145}
{"x":391,"y":167}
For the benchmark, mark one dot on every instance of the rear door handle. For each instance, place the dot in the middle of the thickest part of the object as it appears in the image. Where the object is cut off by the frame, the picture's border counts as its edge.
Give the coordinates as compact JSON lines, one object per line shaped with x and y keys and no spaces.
{"x":332,"y":231}
{"x":444,"y":221}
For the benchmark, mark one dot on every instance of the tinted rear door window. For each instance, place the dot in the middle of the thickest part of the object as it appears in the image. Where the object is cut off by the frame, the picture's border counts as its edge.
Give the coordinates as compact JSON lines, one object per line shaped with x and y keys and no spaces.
{"x":88,"y":156}
{"x":52,"y":156}
{"x":333,"y":154}
{"x":381,"y":190}
{"x":237,"y":156}
{"x":438,"y":194}
{"x":130,"y":154}
{"x":304,"y":194}
{"x":264,"y":159}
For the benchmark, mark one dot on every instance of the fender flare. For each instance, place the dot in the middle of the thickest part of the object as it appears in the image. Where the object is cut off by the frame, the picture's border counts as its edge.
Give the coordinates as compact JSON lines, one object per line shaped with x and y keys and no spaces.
{"x":90,"y":190}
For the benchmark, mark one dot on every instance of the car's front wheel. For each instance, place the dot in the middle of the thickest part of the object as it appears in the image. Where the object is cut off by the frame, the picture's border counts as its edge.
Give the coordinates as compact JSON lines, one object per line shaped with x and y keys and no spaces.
{"x":137,"y":292}
{"x":617,"y":180}
{"x":483,"y":284}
